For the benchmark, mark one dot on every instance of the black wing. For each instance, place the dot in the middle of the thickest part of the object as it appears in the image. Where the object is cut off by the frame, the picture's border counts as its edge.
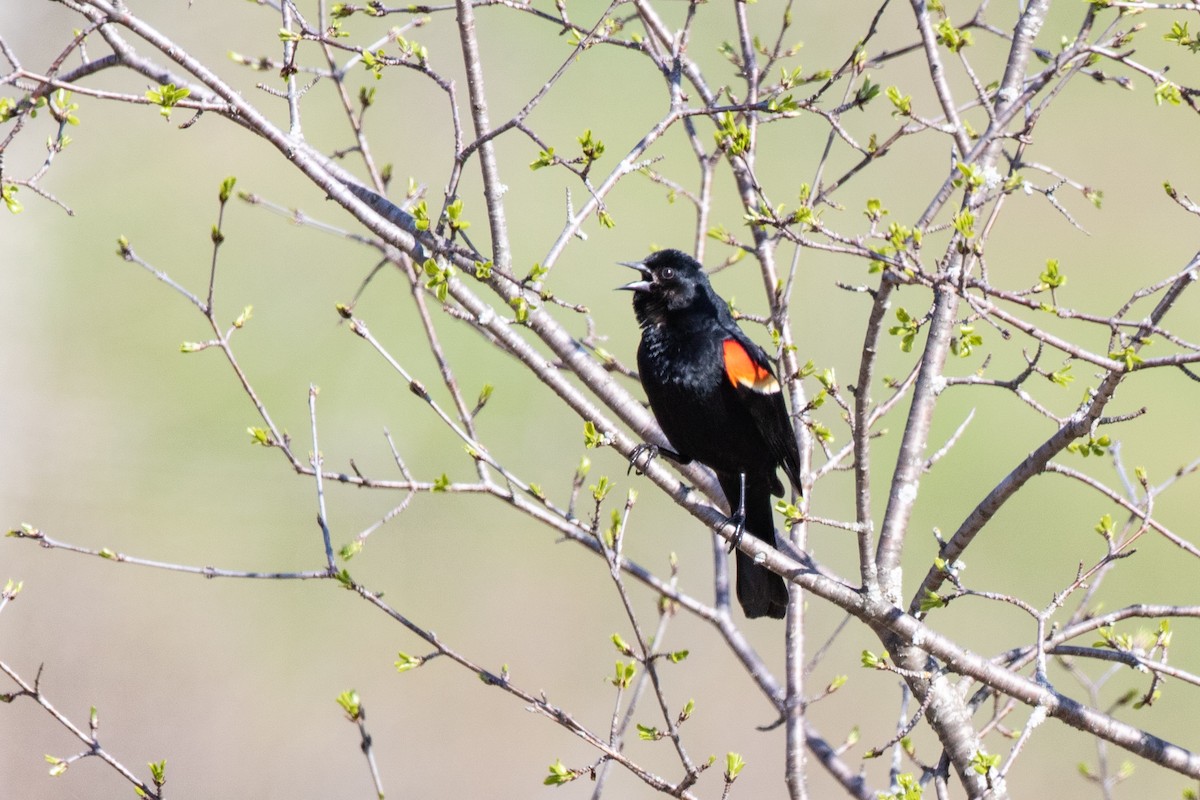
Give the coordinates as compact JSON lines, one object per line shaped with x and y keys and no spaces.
{"x":753,"y":378}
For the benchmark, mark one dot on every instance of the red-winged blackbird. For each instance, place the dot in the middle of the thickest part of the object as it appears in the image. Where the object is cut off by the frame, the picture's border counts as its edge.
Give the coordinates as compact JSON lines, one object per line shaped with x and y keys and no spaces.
{"x":716,"y":397}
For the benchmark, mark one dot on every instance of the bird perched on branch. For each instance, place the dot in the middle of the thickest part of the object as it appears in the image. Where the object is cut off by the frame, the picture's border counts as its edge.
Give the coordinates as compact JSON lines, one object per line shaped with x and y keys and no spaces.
{"x":719,"y":402}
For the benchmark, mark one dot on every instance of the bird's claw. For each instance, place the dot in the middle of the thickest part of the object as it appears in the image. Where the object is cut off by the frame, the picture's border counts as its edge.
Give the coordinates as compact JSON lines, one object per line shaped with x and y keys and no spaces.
{"x":738,"y":521}
{"x":650,"y":451}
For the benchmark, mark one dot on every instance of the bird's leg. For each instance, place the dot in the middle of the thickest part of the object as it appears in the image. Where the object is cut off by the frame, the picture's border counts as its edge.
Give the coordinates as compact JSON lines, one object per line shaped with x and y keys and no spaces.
{"x":738,"y":518}
{"x":651,"y":452}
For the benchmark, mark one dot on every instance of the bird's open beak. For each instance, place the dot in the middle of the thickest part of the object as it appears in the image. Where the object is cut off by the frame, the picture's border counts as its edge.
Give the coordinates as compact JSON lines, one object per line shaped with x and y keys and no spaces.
{"x":637,"y":286}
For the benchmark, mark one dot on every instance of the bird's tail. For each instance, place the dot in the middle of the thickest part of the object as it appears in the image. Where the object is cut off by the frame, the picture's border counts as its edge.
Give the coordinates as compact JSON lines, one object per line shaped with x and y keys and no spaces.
{"x":760,"y":592}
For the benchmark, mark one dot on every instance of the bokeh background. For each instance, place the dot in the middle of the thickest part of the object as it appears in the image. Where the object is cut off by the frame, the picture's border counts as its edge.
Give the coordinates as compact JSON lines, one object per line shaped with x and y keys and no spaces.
{"x":110,"y":437}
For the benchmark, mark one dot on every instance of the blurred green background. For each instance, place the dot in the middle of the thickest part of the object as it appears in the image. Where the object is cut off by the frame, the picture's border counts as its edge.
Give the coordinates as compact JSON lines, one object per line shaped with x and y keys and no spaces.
{"x":112,"y":438}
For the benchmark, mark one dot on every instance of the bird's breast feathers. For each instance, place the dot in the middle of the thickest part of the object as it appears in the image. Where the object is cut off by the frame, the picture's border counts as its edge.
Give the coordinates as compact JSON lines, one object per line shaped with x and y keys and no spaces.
{"x":743,"y":370}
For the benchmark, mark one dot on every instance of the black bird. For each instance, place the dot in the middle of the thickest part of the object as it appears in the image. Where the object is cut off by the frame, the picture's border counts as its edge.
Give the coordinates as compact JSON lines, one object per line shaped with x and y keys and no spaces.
{"x":717,"y":399}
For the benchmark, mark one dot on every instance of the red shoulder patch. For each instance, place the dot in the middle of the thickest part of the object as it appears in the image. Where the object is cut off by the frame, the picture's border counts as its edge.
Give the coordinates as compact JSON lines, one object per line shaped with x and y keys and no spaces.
{"x":743,"y":370}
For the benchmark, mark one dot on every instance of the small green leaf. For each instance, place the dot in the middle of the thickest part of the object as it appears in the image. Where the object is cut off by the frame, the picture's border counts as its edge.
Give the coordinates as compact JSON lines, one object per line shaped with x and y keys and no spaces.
{"x":1148,"y":700}
{"x":791,"y":513}
{"x":965,"y":343}
{"x":405,"y":662}
{"x":592,"y":148}
{"x":168,"y":95}
{"x":732,"y":135}
{"x":932,"y":600}
{"x":624,"y":674}
{"x":454,"y":216}
{"x":983,"y":763}
{"x":902,"y":103}
{"x":227,"y":188}
{"x":559,"y":775}
{"x":521,"y":306}
{"x":1051,"y":278}
{"x":536,"y":273}
{"x":545,"y":158}
{"x":734,"y":764}
{"x":614,"y":526}
{"x":1167,"y":92}
{"x":907,"y":329}
{"x":26,"y":531}
{"x":964,"y":223}
{"x":1180,"y":36}
{"x":244,"y":317}
{"x":1062,"y":377}
{"x":601,"y":488}
{"x":1127,"y":355}
{"x":62,"y":109}
{"x":907,"y":788}
{"x":439,"y":277}
{"x":952,"y":38}
{"x":971,"y":175}
{"x":648,"y":733}
{"x":351,"y":703}
{"x":782,"y":104}
{"x":420,"y":212}
{"x":8,"y":193}
{"x":688,"y":709}
{"x":866,"y":93}
{"x":592,"y":437}
{"x":1094,"y":446}
{"x":374,"y":62}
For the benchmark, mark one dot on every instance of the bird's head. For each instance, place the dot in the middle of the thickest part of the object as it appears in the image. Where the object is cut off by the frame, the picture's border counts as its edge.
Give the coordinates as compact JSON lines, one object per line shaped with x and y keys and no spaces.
{"x":671,"y":282}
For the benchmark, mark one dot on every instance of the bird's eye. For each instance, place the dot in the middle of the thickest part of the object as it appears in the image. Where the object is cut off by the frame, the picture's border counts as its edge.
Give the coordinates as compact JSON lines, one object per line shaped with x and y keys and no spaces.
{"x":667,"y":273}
